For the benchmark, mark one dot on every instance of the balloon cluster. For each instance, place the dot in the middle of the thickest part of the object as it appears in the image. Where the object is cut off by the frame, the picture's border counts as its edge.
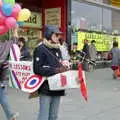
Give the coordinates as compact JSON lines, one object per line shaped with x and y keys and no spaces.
{"x":11,"y":13}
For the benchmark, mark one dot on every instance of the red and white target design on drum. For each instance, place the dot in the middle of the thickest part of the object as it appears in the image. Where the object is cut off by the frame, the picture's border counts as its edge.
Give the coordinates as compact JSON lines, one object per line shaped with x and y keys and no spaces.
{"x":33,"y":83}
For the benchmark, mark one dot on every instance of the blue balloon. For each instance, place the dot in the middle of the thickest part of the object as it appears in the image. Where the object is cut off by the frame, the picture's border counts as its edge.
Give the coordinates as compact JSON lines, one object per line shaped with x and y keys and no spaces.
{"x":7,"y":9}
{"x":20,"y":23}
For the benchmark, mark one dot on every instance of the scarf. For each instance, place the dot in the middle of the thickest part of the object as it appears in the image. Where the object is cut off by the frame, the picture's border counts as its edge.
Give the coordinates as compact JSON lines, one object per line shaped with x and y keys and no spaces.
{"x":50,"y":45}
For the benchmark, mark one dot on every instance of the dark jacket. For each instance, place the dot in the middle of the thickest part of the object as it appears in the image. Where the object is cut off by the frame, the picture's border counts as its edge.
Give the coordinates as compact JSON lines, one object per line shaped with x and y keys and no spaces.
{"x":45,"y":64}
{"x":86,"y":50}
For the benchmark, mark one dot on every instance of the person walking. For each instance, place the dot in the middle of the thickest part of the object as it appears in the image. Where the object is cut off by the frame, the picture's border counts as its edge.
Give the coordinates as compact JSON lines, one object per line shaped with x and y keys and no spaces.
{"x":115,"y":55}
{"x":4,"y":55}
{"x":64,"y":50}
{"x":47,"y":62}
{"x":87,"y":55}
{"x":93,"y":53}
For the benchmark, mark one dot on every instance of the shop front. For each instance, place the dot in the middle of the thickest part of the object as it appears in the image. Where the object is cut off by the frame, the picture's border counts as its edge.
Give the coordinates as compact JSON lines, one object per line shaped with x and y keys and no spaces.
{"x":31,"y":30}
{"x":44,"y":12}
{"x":93,"y":21}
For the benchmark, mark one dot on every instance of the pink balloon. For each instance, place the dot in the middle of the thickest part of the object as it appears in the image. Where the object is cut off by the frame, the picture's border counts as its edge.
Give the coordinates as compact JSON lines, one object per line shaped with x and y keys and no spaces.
{"x":10,"y":22}
{"x":2,"y":19}
{"x":1,"y":3}
{"x":14,"y":15}
{"x":16,"y":10}
{"x":3,"y":29}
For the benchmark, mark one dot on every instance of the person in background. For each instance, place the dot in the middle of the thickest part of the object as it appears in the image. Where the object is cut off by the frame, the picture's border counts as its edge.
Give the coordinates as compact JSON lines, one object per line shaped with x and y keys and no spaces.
{"x":74,"y":47}
{"x":92,"y":52}
{"x":5,"y":46}
{"x":115,"y":55}
{"x":74,"y":56}
{"x":64,"y":49}
{"x":25,"y":53}
{"x":87,"y":55}
{"x":66,"y":60}
{"x":47,"y":62}
{"x":86,"y":49}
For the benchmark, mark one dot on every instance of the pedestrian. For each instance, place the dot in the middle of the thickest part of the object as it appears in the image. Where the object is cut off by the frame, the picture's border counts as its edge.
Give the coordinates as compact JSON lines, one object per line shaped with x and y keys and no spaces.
{"x":93,"y":53}
{"x":74,"y":47}
{"x":64,"y":50}
{"x":4,"y":55}
{"x":66,"y":60}
{"x":115,"y":55}
{"x":47,"y":62}
{"x":25,"y":53}
{"x":87,"y":55}
{"x":74,"y":56}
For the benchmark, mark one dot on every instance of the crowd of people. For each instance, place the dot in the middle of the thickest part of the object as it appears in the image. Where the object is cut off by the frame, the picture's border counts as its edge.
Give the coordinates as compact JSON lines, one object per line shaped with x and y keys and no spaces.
{"x":48,"y":59}
{"x":87,"y":55}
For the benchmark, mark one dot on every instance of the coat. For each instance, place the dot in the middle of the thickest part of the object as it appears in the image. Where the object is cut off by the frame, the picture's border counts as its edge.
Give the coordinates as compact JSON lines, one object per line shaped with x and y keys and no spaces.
{"x":115,"y":56}
{"x":93,"y":52}
{"x":45,"y":62}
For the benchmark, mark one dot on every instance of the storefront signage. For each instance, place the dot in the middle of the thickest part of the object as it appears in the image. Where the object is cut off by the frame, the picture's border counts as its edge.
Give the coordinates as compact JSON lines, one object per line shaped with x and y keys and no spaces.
{"x":103,"y":41}
{"x":115,"y":3}
{"x":53,"y":16}
{"x":35,"y":21}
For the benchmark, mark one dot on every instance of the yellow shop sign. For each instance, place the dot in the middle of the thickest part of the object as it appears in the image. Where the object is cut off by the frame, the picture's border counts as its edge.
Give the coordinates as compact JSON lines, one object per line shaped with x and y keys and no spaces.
{"x":35,"y":21}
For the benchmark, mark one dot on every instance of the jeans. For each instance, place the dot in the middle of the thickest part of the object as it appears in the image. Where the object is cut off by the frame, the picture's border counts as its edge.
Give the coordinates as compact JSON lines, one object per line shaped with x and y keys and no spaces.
{"x":49,"y":106}
{"x":4,"y":103}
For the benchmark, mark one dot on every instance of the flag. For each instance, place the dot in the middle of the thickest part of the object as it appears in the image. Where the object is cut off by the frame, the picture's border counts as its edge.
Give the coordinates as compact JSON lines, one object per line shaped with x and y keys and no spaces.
{"x":83,"y":86}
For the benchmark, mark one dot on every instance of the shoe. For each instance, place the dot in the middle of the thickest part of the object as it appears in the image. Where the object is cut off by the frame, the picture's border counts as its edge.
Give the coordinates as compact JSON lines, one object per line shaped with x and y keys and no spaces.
{"x":14,"y":116}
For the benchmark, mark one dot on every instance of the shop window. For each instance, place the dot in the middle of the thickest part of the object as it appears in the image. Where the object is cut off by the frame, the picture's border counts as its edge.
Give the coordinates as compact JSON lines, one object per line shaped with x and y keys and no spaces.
{"x":31,"y":35}
{"x":107,"y":20}
{"x":94,"y":22}
{"x":85,"y":16}
{"x":116,"y":21}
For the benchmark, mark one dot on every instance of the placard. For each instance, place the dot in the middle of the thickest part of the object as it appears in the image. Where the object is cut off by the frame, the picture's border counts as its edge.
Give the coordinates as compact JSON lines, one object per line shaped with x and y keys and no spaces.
{"x":22,"y":76}
{"x":53,"y":16}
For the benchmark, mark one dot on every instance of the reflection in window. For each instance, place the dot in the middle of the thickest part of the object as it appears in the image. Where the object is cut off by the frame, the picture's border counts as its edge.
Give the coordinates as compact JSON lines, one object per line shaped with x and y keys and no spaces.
{"x":116,"y":21}
{"x":91,"y":17}
{"x":86,"y":16}
{"x":107,"y":20}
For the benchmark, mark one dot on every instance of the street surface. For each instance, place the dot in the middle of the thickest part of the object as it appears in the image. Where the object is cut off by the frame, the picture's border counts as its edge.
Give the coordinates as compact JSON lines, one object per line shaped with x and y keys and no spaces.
{"x":103,"y":102}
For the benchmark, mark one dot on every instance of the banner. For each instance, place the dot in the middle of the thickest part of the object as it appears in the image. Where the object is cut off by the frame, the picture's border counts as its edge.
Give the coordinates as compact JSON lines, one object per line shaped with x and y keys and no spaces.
{"x":115,"y":3}
{"x":22,"y":76}
{"x":103,"y":41}
{"x":64,"y":80}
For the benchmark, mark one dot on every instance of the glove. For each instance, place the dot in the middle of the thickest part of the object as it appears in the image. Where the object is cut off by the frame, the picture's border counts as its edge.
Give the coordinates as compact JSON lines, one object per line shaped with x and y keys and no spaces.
{"x":61,"y":69}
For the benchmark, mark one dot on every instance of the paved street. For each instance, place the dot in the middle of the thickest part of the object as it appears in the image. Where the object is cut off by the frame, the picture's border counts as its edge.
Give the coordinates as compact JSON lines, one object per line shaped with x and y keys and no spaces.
{"x":103,"y":103}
